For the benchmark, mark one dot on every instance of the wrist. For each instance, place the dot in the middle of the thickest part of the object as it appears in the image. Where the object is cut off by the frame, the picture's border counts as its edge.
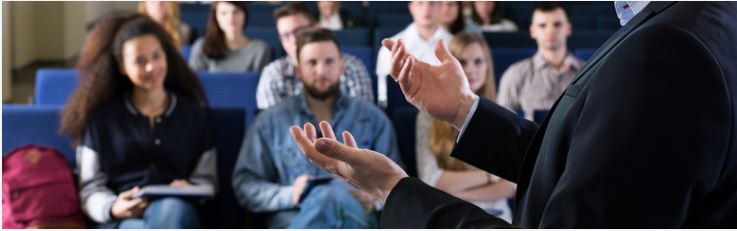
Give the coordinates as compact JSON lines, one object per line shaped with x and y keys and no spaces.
{"x":464,"y":107}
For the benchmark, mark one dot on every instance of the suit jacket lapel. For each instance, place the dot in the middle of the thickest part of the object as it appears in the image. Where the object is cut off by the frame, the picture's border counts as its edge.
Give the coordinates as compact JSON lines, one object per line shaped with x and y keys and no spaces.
{"x":533,"y":150}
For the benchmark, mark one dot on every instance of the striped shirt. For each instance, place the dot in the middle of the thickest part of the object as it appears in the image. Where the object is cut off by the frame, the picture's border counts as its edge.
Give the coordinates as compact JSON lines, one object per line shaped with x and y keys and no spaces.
{"x":278,"y":81}
{"x":532,"y":84}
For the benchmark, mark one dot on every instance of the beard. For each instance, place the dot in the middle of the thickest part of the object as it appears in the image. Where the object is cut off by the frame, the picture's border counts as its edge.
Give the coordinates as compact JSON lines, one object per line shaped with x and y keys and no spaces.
{"x":331,"y":91}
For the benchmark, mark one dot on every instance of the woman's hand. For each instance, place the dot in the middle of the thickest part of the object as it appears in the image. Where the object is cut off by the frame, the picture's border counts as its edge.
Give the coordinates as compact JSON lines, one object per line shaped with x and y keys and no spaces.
{"x":126,"y":207}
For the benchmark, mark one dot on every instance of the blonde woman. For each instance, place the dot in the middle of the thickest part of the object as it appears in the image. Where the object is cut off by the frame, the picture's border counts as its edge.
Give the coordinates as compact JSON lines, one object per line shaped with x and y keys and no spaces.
{"x":166,"y":13}
{"x":435,"y":138}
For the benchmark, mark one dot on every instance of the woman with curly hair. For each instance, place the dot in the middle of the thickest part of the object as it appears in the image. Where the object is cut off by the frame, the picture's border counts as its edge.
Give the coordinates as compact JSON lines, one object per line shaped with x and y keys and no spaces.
{"x":138,"y":118}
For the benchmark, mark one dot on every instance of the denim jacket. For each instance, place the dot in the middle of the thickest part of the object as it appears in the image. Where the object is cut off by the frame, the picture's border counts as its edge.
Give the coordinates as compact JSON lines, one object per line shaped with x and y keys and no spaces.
{"x":270,"y":160}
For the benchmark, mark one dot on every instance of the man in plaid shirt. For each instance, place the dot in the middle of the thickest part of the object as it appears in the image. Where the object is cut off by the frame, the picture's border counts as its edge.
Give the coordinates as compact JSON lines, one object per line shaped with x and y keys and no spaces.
{"x":278,"y":79}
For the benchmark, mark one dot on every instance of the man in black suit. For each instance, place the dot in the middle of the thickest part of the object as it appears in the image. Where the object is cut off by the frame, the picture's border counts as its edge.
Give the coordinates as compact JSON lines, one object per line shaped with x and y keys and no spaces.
{"x":645,"y":136}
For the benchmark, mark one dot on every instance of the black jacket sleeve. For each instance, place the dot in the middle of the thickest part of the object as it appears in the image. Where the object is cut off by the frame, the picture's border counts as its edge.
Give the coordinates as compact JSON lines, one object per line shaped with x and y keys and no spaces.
{"x":495,"y":140}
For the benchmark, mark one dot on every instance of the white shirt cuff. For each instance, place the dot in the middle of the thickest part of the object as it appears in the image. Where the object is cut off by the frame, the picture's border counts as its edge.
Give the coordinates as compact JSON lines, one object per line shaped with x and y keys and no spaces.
{"x":468,"y":118}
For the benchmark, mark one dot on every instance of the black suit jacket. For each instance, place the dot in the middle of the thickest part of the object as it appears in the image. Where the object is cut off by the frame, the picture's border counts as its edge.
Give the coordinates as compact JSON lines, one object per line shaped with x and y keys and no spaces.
{"x":646,"y":136}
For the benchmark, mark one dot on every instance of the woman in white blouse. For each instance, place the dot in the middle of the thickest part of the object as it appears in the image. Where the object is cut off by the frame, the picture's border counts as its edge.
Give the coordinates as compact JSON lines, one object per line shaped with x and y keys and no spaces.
{"x":435,"y":138}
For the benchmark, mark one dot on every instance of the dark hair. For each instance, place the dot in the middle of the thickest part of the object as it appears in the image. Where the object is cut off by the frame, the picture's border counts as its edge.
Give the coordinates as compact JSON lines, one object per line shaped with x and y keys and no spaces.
{"x":214,"y":46}
{"x":101,"y":79}
{"x":545,"y":6}
{"x":459,"y":24}
{"x":496,"y":14}
{"x":293,"y":8}
{"x":313,"y":36}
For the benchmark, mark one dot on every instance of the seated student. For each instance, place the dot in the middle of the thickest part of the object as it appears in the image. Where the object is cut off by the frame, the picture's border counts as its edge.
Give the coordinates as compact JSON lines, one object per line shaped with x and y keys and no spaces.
{"x":271,"y":174}
{"x":419,"y":39}
{"x":279,"y":80}
{"x":225,"y":48}
{"x":436,"y":138}
{"x":167,"y":15}
{"x":451,"y":17}
{"x":536,"y":83}
{"x":487,"y":17}
{"x":333,"y":18}
{"x":138,"y":118}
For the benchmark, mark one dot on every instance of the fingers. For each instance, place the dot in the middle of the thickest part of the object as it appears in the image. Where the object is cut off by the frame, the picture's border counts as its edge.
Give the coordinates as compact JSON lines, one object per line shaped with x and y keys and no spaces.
{"x":388,"y":43}
{"x":311,"y":132}
{"x":441,"y":51}
{"x":308,"y":147}
{"x":334,"y":149}
{"x":327,"y":130}
{"x":398,"y":58}
{"x":403,"y":77}
{"x":348,"y":140}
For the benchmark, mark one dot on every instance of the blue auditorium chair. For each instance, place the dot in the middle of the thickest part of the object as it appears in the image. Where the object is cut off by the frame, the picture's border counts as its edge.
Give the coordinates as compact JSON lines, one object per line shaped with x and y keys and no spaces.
{"x":583,"y":22}
{"x":236,"y":89}
{"x":261,"y":19}
{"x":505,"y":57}
{"x":388,"y":7}
{"x":392,"y":19}
{"x":404,"y":123}
{"x":54,"y":85}
{"x":269,"y":35}
{"x":353,"y":37}
{"x":186,"y":50}
{"x":363,"y":53}
{"x":232,"y":90}
{"x":229,"y":129}
{"x":509,"y":39}
{"x":395,"y":97}
{"x":26,"y":124}
{"x":196,"y":16}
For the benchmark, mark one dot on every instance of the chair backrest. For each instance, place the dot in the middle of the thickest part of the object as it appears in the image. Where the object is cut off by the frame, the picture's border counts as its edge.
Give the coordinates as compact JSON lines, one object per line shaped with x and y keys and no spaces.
{"x":269,"y":35}
{"x":186,"y":50}
{"x":509,"y":39}
{"x":352,"y":37}
{"x":505,"y":57}
{"x":228,"y":129}
{"x":54,"y":85}
{"x":26,"y":124}
{"x":232,"y":90}
{"x":237,"y":89}
{"x":363,"y":53}
{"x":403,"y":120}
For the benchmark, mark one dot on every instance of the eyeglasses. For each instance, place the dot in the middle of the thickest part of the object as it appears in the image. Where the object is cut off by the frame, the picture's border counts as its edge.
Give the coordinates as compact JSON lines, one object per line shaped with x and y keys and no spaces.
{"x":296,"y":32}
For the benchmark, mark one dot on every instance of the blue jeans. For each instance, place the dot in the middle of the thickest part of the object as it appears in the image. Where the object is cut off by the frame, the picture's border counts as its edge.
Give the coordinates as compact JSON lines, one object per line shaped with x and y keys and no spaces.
{"x":167,"y":213}
{"x":331,"y":206}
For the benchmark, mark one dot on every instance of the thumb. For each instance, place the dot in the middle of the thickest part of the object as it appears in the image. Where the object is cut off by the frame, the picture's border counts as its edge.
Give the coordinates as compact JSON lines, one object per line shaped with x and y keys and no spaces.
{"x":334,"y":149}
{"x":441,"y":51}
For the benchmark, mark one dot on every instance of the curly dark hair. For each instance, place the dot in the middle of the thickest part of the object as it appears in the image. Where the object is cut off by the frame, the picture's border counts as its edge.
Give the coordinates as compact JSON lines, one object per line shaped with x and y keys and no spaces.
{"x":101,"y":79}
{"x":214,"y":46}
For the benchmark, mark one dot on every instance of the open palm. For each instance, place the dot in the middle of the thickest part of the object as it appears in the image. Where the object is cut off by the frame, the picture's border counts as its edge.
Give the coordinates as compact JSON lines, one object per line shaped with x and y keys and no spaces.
{"x":441,"y":91}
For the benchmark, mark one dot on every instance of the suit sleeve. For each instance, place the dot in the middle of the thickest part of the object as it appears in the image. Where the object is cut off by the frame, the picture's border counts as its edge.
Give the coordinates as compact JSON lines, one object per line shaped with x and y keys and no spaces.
{"x":495,"y":140}
{"x":414,"y":204}
{"x":651,"y":138}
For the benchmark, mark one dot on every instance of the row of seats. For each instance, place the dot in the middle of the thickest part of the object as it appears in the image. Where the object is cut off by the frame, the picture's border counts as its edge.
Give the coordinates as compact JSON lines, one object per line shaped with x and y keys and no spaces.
{"x":583,"y":15}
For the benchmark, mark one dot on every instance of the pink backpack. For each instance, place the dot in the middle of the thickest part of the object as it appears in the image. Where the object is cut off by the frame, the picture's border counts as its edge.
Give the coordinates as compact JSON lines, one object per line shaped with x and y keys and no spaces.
{"x":39,"y":190}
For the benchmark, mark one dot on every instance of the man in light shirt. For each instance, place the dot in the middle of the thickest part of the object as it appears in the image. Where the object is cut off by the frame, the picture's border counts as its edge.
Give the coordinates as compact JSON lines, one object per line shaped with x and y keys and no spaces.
{"x":419,"y":39}
{"x":533,"y":84}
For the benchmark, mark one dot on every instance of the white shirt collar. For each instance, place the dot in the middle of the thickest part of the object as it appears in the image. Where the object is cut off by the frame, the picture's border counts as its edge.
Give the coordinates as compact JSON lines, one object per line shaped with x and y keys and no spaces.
{"x":627,"y":10}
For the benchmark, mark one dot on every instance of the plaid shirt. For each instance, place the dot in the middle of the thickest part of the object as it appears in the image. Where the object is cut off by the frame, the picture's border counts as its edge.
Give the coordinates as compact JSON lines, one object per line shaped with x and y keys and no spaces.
{"x":279,"y":81}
